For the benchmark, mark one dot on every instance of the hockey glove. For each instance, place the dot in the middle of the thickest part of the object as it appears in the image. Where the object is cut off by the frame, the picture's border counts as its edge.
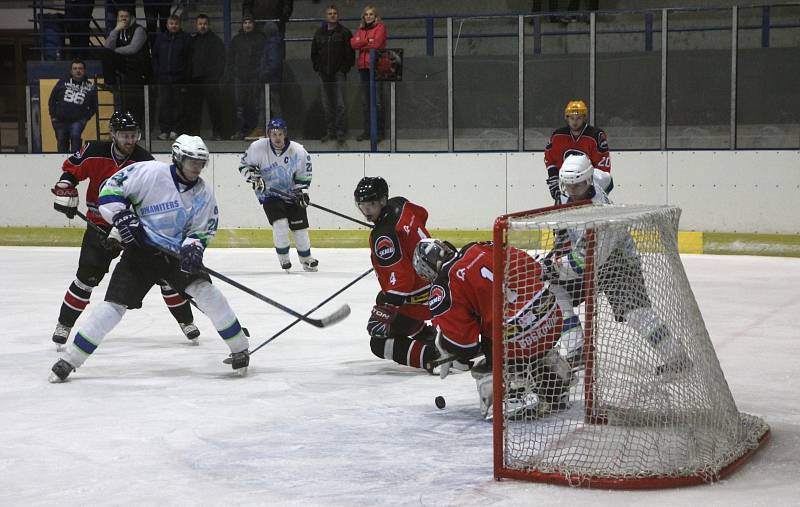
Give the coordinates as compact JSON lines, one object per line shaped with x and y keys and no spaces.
{"x":380,"y":319}
{"x":192,"y":257}
{"x":113,"y":241}
{"x":301,"y":197}
{"x":553,"y":184}
{"x":131,"y":230}
{"x":66,"y":200}
{"x":253,"y":177}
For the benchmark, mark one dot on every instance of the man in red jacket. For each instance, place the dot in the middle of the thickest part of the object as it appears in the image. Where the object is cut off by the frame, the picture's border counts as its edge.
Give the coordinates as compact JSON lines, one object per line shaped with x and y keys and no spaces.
{"x":371,"y":34}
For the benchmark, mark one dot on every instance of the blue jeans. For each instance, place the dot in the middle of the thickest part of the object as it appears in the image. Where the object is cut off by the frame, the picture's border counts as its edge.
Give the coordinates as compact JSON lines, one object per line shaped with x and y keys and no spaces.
{"x":68,"y":133}
{"x":333,"y":102}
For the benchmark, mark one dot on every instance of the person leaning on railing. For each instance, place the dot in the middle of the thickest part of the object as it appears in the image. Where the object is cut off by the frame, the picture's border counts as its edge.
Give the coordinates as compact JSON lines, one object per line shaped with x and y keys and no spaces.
{"x":371,"y":34}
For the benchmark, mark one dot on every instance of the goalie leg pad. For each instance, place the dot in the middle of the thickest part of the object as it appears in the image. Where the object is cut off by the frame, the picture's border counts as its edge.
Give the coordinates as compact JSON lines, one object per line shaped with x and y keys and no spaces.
{"x":483,"y":381}
{"x":211,"y":302}
{"x":553,"y":376}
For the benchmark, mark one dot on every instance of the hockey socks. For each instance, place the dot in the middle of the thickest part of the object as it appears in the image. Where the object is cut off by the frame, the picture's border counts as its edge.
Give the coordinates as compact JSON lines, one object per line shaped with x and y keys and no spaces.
{"x":405,"y":351}
{"x":178,"y":306}
{"x":211,"y":302}
{"x":101,"y":321}
{"x":75,"y":301}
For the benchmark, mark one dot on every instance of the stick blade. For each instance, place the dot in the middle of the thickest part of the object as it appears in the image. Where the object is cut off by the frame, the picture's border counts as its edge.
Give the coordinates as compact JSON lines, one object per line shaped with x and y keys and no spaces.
{"x":337,"y":316}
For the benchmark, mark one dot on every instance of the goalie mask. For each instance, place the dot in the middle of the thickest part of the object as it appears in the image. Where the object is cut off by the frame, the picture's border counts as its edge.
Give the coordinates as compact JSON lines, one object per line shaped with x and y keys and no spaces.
{"x":430,"y":255}
{"x":190,"y":155}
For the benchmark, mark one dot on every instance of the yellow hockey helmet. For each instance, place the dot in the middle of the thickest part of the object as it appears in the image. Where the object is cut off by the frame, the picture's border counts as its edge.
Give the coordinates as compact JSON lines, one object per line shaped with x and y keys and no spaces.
{"x":576,"y":107}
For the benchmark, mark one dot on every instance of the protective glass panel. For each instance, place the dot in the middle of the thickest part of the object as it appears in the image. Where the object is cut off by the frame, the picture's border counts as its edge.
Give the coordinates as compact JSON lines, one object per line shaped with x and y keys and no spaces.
{"x":556,"y":71}
{"x":485,"y":81}
{"x":767,"y":103}
{"x":699,"y":79}
{"x":629,"y":58}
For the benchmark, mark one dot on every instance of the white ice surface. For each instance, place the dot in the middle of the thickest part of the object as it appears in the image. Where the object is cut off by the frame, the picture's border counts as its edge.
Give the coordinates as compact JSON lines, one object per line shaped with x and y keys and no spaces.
{"x":151,"y":420}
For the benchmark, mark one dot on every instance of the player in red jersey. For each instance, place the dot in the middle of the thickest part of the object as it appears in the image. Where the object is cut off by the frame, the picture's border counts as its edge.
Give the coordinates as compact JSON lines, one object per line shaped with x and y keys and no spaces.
{"x":461,"y":305}
{"x":97,"y":161}
{"x":396,"y":325}
{"x":577,"y":137}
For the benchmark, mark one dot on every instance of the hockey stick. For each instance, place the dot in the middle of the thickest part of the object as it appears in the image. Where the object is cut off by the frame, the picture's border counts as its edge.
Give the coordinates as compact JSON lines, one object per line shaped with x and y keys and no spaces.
{"x":331,"y":319}
{"x":448,"y":359}
{"x":323,"y":208}
{"x":312,"y":310}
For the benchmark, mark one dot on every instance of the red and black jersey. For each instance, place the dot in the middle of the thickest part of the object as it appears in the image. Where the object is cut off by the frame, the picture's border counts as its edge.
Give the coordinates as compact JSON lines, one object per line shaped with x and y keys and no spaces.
{"x":96,"y":162}
{"x":591,"y":142}
{"x":461,"y":303}
{"x":392,"y":242}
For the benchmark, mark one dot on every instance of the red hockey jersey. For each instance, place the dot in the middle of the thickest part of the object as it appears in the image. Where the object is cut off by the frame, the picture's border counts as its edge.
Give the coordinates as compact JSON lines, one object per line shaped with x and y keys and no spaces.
{"x":591,"y":142}
{"x":96,"y":163}
{"x":461,"y":303}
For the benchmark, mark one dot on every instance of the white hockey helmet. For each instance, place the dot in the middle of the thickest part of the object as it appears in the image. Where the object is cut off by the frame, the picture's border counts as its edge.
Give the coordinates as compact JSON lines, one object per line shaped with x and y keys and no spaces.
{"x":186,"y":146}
{"x":575,"y":169}
{"x":430,"y":255}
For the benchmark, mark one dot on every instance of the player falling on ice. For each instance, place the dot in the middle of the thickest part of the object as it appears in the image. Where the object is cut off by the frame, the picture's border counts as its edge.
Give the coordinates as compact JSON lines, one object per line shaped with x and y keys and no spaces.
{"x":577,"y":137}
{"x":396,"y":325}
{"x":461,"y":304}
{"x":279,"y":163}
{"x":619,"y":266}
{"x":156,"y":206}
{"x":98,"y":161}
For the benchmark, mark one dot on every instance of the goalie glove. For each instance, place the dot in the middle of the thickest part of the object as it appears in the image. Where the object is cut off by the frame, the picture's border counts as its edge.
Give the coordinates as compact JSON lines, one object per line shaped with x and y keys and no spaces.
{"x":67,"y":199}
{"x":192,"y":256}
{"x":253,"y":176}
{"x":301,"y":197}
{"x":444,"y":368}
{"x":553,"y":184}
{"x":131,"y":230}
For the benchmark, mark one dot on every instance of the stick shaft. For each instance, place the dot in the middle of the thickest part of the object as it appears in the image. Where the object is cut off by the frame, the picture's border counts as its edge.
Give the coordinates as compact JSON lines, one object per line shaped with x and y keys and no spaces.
{"x":323,"y":208}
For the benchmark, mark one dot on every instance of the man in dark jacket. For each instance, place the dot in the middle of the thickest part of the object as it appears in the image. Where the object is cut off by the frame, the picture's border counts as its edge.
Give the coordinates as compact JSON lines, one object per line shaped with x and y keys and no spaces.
{"x":72,"y":102}
{"x":261,"y":10}
{"x":244,"y":58}
{"x":332,"y":58}
{"x":171,"y":55}
{"x":207,"y":72}
{"x":126,"y":64}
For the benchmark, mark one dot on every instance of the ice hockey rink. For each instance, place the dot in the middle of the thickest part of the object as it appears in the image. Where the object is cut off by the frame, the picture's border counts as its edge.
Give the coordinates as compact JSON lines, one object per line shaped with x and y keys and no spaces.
{"x":152,"y":420}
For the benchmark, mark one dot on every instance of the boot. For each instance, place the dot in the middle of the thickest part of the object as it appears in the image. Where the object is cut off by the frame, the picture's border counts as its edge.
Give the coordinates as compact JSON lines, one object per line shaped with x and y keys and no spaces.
{"x":60,"y":335}
{"x":60,"y":372}
{"x":309,"y":263}
{"x":191,"y":331}
{"x":285,"y":262}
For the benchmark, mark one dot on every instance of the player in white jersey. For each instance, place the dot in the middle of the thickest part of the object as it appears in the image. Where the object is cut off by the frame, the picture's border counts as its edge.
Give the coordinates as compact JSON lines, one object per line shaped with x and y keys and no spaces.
{"x":169,"y":206}
{"x":279,"y":163}
{"x":617,"y":259}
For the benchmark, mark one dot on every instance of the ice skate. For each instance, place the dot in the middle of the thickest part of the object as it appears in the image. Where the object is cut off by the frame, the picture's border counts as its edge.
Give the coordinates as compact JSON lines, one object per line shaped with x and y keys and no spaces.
{"x":239,"y":361}
{"x":286,"y":264}
{"x":60,"y":372}
{"x":309,"y":263}
{"x":191,"y":331}
{"x":60,"y":335}
{"x":678,"y":365}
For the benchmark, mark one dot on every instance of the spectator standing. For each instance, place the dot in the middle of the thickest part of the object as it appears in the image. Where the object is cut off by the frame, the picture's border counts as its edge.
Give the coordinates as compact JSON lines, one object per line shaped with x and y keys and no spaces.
{"x":127,"y":64}
{"x":272,"y":16}
{"x":113,"y":7}
{"x":244,"y":58}
{"x":72,"y":102}
{"x":78,"y":25}
{"x":371,"y":34}
{"x":332,"y":58}
{"x":171,"y":53}
{"x":207,"y":72}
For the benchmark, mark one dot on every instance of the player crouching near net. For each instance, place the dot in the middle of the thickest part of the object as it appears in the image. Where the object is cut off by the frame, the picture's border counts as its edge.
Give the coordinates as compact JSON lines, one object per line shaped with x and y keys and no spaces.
{"x":284,"y":165}
{"x":396,"y":326}
{"x":158,"y":207}
{"x":619,"y":266}
{"x":461,"y":304}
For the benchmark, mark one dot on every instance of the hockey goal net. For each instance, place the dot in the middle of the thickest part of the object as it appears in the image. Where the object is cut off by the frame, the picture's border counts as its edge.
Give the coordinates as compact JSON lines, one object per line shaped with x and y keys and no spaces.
{"x":645,"y":403}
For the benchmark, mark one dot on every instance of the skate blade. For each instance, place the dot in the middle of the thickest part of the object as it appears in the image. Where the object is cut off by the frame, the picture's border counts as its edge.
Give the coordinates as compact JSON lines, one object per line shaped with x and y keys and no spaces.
{"x":54,"y":379}
{"x":241,"y":372}
{"x":194,"y":342}
{"x":60,"y":347}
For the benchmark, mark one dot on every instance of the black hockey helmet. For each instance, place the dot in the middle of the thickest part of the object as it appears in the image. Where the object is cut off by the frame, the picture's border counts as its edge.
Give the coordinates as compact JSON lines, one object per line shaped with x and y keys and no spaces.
{"x":122,"y":121}
{"x":371,"y":189}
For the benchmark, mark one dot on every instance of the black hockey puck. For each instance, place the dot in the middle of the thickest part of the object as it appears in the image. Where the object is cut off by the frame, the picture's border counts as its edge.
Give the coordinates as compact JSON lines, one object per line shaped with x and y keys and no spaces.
{"x":440,"y":403}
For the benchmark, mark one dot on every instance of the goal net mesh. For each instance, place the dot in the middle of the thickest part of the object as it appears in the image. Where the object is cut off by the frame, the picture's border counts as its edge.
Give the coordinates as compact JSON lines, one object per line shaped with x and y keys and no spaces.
{"x":646,"y":399}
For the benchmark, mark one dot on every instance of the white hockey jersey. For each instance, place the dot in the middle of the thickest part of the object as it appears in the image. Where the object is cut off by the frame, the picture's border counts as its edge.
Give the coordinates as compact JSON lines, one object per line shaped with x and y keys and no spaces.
{"x":570,"y":266}
{"x":286,"y":171}
{"x":172,"y":212}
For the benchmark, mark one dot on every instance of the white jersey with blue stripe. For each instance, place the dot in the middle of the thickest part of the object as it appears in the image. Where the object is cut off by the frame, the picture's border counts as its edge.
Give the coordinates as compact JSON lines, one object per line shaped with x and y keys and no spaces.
{"x":286,"y":170}
{"x":172,"y":212}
